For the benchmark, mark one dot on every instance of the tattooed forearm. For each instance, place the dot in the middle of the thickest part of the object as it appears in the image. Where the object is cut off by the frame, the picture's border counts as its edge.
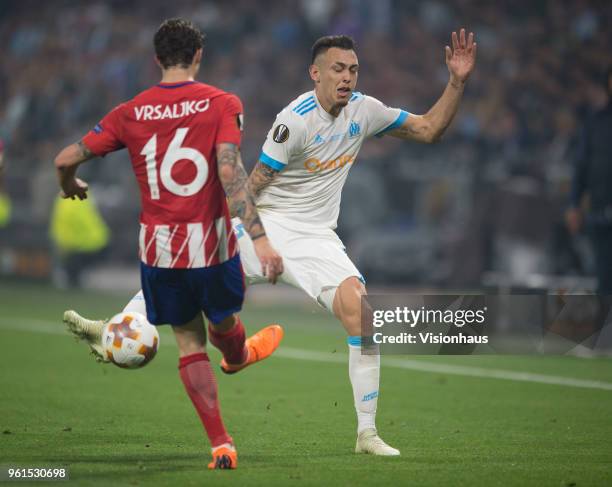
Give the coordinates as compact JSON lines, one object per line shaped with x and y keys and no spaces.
{"x":234,"y":180}
{"x":261,"y":177}
{"x":231,"y":171}
{"x":69,"y":159}
{"x":85,"y":153}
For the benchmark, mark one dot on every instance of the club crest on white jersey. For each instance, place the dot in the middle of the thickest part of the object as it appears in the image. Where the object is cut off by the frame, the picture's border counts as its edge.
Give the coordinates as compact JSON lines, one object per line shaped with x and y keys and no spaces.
{"x":314,"y":151}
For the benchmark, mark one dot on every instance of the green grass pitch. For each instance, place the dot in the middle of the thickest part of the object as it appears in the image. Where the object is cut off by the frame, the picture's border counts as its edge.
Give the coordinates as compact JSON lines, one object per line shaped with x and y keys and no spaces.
{"x":292,"y":419}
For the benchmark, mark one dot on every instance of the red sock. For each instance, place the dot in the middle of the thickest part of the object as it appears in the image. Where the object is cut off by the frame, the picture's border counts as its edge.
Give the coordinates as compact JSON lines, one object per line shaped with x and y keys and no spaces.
{"x":199,"y":380}
{"x":231,"y":343}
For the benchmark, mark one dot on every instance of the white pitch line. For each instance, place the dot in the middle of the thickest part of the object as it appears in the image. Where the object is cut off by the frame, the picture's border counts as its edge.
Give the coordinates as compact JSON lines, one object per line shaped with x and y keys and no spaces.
{"x":57,"y":328}
{"x":465,"y":370}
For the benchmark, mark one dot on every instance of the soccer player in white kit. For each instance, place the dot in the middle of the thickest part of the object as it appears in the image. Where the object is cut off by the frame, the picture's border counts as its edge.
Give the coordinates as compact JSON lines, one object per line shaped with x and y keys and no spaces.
{"x":297,"y":183}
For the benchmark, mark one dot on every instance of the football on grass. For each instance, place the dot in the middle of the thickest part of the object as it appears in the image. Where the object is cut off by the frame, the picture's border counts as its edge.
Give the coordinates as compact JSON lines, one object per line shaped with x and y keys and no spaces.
{"x":129,"y":340}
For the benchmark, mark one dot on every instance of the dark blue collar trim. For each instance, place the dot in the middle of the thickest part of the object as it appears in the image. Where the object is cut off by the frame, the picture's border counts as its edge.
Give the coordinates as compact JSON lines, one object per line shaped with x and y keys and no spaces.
{"x":169,"y":86}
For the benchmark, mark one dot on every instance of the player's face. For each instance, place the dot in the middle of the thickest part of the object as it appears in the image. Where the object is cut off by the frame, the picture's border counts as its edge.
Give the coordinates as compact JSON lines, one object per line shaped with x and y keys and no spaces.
{"x":336,"y":73}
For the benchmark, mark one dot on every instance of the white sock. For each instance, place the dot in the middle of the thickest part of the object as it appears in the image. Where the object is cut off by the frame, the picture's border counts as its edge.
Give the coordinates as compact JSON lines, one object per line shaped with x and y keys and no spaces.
{"x":364,"y":371}
{"x":137,"y":304}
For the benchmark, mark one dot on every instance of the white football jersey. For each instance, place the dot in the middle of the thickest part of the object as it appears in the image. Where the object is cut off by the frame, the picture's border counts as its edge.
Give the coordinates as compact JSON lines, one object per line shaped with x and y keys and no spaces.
{"x":314,"y":152}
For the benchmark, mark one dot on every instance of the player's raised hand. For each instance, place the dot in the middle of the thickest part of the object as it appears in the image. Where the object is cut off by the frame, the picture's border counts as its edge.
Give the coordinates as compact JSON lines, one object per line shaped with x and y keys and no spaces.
{"x":271,"y":261}
{"x":74,"y":188}
{"x":462,"y":57}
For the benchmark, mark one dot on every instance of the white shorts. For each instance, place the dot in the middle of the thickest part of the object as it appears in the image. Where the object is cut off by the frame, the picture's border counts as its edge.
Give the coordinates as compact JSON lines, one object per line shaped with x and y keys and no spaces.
{"x":314,"y":258}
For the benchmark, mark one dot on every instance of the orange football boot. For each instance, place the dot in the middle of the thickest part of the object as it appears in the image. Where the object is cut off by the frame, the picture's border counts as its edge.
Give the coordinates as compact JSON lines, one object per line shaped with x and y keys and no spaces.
{"x":259,"y":346}
{"x":224,"y":457}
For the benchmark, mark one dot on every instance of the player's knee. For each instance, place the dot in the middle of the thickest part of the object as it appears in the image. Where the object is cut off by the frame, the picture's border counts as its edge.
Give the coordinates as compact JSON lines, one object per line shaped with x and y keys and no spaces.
{"x":347,"y":304}
{"x":226,"y":324}
{"x":351,"y":290}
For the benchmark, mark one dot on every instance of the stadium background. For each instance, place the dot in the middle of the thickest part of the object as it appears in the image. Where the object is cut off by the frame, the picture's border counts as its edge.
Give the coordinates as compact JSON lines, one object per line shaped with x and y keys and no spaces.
{"x":489,"y":197}
{"x":483,"y":208}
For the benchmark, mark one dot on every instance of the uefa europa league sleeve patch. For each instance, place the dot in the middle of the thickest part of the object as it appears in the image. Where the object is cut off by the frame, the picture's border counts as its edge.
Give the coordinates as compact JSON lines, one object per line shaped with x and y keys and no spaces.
{"x":281,"y":134}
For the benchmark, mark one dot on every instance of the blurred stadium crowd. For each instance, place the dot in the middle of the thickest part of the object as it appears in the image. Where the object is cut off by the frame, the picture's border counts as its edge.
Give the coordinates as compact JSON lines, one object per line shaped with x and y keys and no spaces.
{"x":489,"y":197}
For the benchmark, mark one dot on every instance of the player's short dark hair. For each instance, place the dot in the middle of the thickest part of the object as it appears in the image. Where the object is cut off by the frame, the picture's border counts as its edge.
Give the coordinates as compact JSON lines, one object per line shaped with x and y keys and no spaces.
{"x":176,"y":42}
{"x":324,"y":43}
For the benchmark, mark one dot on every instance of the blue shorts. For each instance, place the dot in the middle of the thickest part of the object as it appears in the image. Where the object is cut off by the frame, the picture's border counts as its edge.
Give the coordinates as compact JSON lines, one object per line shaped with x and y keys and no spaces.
{"x":176,"y":296}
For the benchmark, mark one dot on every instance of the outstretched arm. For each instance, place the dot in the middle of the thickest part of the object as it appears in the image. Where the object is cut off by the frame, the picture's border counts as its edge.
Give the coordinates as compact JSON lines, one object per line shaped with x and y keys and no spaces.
{"x":66,"y":164}
{"x":460,"y":61}
{"x":242,"y":204}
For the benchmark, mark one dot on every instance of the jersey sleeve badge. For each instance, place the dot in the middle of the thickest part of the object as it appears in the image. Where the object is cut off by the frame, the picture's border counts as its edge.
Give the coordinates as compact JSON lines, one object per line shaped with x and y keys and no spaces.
{"x":280,"y":134}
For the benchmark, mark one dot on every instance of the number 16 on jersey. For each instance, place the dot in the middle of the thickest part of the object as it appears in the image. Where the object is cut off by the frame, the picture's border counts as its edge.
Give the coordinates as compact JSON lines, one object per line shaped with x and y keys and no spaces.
{"x":175,"y":153}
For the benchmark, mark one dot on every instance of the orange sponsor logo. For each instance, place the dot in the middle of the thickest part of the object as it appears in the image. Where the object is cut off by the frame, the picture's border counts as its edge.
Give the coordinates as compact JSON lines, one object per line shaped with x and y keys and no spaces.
{"x":315,"y":165}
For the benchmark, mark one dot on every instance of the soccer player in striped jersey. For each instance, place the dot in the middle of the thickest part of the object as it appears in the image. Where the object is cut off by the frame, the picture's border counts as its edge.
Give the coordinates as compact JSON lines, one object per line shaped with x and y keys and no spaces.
{"x":183,"y":138}
{"x":298,"y":180}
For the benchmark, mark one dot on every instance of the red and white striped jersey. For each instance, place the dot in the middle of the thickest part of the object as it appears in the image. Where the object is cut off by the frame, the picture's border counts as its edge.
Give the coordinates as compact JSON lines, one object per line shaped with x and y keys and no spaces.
{"x":171,"y":132}
{"x":202,"y":246}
